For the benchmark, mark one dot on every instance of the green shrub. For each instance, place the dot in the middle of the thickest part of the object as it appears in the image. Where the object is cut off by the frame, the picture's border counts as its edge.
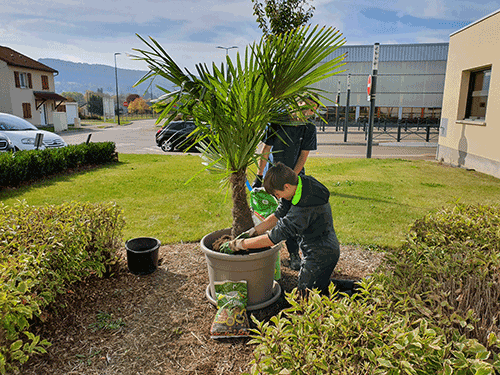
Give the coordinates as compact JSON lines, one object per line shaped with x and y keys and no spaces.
{"x":42,"y":251}
{"x":24,"y":166}
{"x":434,"y":309}
{"x":367,"y":334}
{"x":451,"y":261}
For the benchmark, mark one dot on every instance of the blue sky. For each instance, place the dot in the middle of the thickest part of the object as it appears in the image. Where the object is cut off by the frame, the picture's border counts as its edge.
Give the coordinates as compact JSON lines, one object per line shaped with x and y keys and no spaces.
{"x":92,"y":31}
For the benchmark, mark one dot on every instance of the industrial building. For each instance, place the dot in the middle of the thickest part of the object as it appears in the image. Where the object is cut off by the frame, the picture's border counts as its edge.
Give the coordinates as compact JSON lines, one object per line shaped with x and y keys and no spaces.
{"x":410,"y":82}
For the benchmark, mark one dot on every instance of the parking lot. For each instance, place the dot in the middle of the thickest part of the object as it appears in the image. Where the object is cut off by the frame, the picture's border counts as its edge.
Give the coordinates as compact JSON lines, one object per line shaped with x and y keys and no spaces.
{"x":139,"y":138}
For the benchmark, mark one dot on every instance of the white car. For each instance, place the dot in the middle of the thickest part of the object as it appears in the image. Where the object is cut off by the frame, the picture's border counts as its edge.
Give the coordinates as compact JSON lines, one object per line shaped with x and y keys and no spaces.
{"x":5,"y":143}
{"x":22,"y":134}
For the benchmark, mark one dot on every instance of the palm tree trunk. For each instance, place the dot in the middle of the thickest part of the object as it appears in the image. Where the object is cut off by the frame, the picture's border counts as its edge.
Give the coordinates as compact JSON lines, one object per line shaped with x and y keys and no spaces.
{"x":242,"y":215}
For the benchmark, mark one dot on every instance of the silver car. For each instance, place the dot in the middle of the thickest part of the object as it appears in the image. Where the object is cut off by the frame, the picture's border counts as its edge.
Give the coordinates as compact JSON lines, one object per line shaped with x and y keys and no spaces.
{"x":22,"y":134}
{"x":5,"y":143}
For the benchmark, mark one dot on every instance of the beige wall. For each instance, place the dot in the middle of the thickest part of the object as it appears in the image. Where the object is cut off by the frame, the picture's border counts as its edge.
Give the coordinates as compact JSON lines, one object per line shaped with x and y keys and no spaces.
{"x":5,"y":103}
{"x":466,"y":143}
{"x":12,"y":97}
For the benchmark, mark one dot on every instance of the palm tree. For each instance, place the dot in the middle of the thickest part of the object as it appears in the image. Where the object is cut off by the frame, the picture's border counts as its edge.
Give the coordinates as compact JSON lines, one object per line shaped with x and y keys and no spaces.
{"x":232,"y":105}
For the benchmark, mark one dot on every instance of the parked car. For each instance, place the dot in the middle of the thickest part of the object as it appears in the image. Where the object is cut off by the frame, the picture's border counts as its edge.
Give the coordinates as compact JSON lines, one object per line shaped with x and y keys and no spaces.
{"x":22,"y":134}
{"x":5,"y":143}
{"x":174,"y":136}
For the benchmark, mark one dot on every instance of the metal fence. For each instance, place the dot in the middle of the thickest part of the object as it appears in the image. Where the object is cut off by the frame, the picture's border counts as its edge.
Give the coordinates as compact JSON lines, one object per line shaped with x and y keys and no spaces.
{"x":386,"y":130}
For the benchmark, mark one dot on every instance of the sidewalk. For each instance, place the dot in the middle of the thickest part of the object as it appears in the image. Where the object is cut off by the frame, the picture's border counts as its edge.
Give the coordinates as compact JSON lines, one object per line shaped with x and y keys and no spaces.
{"x":331,"y":144}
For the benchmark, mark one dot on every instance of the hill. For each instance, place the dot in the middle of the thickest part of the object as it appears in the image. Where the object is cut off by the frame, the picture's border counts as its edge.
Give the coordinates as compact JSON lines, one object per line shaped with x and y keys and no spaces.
{"x":80,"y":77}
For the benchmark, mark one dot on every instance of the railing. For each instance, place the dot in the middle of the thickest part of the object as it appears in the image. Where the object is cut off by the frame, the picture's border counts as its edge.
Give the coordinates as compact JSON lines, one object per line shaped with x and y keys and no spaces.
{"x":416,"y":129}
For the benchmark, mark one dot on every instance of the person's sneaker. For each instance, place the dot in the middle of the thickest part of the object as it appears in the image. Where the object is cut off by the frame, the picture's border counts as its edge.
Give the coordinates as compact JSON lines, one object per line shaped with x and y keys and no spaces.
{"x":343,"y":285}
{"x":295,"y":261}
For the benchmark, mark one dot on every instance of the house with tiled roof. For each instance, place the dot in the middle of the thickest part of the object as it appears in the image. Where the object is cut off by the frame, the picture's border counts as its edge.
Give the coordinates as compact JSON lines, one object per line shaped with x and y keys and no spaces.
{"x":27,"y":88}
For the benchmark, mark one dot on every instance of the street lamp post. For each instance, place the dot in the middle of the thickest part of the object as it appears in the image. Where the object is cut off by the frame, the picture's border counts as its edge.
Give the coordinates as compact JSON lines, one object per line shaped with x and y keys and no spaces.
{"x":227,"y":48}
{"x":117,"y":100}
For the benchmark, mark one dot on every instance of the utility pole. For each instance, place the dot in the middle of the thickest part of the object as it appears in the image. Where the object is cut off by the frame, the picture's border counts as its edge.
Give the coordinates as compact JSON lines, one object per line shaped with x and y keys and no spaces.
{"x":372,"y":86}
{"x":117,"y":99}
{"x":337,"y":108}
{"x":346,"y":124}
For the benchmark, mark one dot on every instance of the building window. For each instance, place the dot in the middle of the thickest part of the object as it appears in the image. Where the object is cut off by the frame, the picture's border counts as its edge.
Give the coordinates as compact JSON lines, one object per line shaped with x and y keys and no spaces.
{"x":26,"y":110}
{"x":23,"y":80}
{"x":477,"y":96}
{"x":45,"y":82}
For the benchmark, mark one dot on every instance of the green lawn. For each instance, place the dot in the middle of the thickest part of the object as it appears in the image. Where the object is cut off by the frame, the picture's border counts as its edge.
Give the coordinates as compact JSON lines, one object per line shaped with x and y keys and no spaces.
{"x":373,"y":201}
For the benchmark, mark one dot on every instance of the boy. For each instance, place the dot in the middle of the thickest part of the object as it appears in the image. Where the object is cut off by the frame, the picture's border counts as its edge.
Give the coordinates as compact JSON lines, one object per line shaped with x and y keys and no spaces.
{"x":303,"y":211}
{"x":289,"y":144}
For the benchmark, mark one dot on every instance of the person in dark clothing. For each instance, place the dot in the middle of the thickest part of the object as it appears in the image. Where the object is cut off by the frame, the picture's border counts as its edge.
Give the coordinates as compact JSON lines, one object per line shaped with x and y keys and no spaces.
{"x":303,"y":212}
{"x":290,"y":145}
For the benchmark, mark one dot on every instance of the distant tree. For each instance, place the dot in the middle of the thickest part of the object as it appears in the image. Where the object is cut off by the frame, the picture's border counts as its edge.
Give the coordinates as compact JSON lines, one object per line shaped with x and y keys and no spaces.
{"x":94,"y":104}
{"x":75,"y":96}
{"x":279,"y":16}
{"x":131,"y":98}
{"x":139,"y":105}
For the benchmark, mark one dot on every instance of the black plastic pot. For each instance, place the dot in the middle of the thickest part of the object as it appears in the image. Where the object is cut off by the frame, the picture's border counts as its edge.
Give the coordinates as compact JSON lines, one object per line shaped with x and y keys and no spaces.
{"x":142,"y":255}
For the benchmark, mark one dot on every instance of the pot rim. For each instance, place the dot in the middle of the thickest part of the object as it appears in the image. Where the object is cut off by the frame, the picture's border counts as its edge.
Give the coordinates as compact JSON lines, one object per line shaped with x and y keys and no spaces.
{"x":153,"y":248}
{"x":235,"y":257}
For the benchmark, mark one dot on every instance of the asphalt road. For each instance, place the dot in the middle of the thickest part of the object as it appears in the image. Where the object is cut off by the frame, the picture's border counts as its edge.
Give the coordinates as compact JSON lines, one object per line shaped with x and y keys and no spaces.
{"x":139,"y":138}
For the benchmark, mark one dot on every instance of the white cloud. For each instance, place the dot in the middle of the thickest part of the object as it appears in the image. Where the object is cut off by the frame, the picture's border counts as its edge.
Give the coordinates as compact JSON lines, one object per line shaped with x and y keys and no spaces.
{"x":434,"y":8}
{"x":92,"y":31}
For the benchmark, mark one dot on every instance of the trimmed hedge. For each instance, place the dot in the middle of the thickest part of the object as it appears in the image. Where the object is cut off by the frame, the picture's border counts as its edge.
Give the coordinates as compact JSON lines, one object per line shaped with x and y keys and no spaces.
{"x":42,"y":251}
{"x":434,"y":309}
{"x":25,"y":166}
{"x":368,"y":334}
{"x":451,"y":261}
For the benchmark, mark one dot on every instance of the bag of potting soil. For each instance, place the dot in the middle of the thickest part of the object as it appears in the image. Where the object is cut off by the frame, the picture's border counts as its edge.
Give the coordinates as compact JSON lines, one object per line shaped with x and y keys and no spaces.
{"x":231,"y":319}
{"x":263,"y":205}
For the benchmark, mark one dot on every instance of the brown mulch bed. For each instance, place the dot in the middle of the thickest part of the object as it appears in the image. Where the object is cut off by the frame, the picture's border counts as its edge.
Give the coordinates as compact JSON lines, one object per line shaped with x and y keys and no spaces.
{"x":165,"y":317}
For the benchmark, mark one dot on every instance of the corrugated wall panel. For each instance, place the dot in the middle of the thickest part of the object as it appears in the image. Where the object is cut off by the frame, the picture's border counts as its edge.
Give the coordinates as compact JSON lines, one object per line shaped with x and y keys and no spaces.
{"x":394,"y":52}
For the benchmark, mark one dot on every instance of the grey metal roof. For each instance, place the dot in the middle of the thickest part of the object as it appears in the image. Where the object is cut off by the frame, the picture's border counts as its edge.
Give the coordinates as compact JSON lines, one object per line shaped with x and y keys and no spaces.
{"x":394,"y":52}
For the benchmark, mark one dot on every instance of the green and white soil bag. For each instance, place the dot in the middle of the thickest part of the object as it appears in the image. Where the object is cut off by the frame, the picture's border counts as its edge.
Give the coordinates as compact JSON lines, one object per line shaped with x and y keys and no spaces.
{"x":263,"y":205}
{"x":231,"y":319}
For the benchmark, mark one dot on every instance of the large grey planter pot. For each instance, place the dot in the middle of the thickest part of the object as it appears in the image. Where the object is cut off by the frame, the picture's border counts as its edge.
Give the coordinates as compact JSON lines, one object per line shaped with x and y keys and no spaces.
{"x":257,"y":269}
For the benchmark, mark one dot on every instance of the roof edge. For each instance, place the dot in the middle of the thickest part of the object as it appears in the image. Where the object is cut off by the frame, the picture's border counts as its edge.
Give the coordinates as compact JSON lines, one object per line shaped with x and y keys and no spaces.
{"x":475,"y":22}
{"x":396,"y":44}
{"x":45,"y":68}
{"x":14,"y":58}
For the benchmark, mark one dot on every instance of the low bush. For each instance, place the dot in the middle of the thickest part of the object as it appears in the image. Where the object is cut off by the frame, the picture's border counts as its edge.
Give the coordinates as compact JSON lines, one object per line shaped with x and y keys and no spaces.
{"x":42,"y":251}
{"x":369,"y":333}
{"x":25,"y":166}
{"x":419,"y":315}
{"x":451,"y":261}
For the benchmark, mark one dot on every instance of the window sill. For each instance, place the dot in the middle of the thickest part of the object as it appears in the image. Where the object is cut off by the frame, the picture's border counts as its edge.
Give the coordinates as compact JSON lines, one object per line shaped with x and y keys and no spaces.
{"x":471,"y":122}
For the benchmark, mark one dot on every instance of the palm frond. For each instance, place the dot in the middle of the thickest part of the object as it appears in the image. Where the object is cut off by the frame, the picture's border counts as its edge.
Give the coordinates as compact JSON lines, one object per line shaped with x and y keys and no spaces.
{"x":241,"y":96}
